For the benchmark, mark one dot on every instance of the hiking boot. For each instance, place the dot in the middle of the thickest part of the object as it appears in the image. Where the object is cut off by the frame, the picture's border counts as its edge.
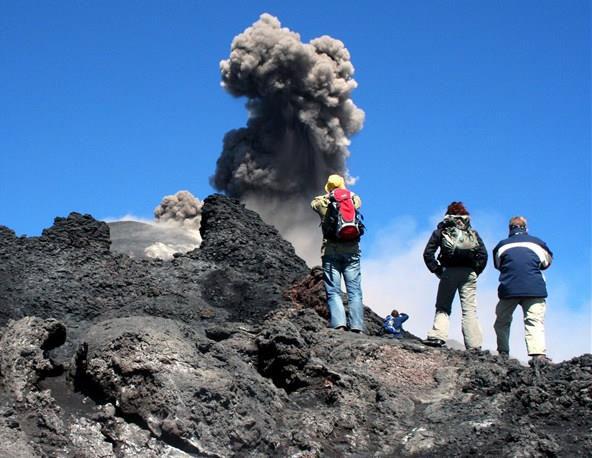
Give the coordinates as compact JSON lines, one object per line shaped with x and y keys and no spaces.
{"x":539,"y":360}
{"x":341,"y":328}
{"x":356,"y":331}
{"x":475,"y":351}
{"x":433,"y":342}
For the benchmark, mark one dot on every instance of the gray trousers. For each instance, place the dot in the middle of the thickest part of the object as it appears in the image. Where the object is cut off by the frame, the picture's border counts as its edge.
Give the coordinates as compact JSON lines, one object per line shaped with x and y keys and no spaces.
{"x":534,"y":323}
{"x":463,"y":280}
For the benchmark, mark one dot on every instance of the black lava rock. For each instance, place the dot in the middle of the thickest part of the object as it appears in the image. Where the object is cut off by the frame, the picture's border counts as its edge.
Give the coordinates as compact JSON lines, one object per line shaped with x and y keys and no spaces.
{"x":225,"y":351}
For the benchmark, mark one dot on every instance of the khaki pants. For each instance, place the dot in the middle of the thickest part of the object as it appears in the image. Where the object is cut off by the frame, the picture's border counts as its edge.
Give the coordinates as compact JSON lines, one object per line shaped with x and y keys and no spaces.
{"x":463,"y":280}
{"x":534,"y":323}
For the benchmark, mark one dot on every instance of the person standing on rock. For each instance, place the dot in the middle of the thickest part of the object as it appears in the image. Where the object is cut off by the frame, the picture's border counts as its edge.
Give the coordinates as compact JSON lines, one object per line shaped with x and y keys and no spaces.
{"x":340,"y":252}
{"x":461,"y":260}
{"x":521,"y":258}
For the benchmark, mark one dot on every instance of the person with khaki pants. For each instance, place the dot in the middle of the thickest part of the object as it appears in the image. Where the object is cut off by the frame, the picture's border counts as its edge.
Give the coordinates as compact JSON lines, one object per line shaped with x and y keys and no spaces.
{"x":533,"y":309}
{"x":521,"y":258}
{"x":461,"y":259}
{"x":463,"y":280}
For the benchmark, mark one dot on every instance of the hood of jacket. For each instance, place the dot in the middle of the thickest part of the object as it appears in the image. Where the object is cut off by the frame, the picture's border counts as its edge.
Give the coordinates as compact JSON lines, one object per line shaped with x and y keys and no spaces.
{"x":514,"y":230}
{"x":461,"y":221}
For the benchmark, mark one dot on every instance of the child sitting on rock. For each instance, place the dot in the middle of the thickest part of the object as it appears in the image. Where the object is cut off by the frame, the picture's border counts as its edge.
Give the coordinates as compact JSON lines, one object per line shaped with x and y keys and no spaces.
{"x":393,"y":323}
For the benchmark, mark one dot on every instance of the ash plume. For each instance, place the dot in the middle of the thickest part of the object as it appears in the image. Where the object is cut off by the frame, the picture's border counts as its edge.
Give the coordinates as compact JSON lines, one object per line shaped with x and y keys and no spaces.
{"x":183,"y":208}
{"x":301,"y":118}
{"x":180,"y":216}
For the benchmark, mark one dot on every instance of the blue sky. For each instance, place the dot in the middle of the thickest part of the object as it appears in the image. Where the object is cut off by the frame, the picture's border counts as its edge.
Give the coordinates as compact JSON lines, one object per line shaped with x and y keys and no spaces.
{"x":105,"y":107}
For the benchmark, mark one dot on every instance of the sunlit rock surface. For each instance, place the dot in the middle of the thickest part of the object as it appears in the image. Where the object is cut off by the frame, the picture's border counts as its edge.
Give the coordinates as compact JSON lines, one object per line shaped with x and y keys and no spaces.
{"x":225,"y":351}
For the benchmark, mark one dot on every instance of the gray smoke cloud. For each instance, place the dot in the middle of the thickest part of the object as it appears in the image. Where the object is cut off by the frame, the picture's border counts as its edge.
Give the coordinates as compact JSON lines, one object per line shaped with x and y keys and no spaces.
{"x":301,"y":118}
{"x":301,"y":115}
{"x":179,"y":216}
{"x":183,"y":208}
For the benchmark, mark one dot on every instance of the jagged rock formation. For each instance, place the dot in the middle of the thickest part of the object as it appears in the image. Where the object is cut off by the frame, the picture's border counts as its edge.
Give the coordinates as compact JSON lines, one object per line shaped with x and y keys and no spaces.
{"x":224,"y":351}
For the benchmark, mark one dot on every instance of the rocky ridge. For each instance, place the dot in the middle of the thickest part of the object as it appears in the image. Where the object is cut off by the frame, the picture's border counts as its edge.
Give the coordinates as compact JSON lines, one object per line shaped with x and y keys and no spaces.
{"x":225,"y":351}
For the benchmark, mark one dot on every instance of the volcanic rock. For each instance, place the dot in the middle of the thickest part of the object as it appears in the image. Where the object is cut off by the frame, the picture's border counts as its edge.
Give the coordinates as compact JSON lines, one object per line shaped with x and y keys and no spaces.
{"x":225,"y":351}
{"x":188,"y":391}
{"x":22,"y":361}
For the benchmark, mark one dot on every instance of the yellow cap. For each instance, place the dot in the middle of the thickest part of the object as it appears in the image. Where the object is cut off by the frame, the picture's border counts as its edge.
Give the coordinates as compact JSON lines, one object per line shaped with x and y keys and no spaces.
{"x":334,"y":182}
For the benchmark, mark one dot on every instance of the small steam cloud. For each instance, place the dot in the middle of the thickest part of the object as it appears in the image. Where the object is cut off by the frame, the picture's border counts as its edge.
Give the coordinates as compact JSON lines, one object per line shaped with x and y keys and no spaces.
{"x":161,"y":250}
{"x":301,"y":118}
{"x":180,"y":216}
{"x":182,"y":208}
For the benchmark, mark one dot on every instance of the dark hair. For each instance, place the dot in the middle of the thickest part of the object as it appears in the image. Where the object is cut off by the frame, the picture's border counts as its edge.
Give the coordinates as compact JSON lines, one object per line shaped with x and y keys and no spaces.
{"x":457,"y":208}
{"x":395,"y":313}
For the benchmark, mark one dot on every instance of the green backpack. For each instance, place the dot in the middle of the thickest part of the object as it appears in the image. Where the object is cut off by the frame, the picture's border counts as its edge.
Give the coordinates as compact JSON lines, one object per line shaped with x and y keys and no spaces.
{"x":458,"y":241}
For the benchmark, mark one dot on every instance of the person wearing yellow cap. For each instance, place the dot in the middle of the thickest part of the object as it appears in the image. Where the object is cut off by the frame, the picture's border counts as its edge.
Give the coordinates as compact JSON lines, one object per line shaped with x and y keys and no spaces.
{"x":340,"y":252}
{"x":334,"y":182}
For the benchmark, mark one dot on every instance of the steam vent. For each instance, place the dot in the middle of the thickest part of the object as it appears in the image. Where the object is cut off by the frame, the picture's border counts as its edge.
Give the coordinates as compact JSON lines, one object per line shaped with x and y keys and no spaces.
{"x":224,"y":351}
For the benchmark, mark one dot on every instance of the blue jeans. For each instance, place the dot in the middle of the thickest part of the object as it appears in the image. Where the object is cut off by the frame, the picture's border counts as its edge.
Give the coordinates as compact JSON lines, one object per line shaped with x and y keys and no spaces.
{"x":348,"y":265}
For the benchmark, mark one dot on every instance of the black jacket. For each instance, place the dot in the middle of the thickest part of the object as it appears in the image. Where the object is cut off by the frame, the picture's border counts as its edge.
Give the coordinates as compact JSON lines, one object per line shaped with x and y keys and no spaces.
{"x":476,"y":259}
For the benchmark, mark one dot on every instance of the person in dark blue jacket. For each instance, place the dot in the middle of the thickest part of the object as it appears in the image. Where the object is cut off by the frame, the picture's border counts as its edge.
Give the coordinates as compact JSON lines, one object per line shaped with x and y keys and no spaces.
{"x":521,"y":258}
{"x":393,"y":323}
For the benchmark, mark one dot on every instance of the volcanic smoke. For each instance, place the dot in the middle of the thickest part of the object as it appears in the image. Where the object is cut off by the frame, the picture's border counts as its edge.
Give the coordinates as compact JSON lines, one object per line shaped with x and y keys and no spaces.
{"x":301,"y":118}
{"x":179,"y":214}
{"x":183,"y":208}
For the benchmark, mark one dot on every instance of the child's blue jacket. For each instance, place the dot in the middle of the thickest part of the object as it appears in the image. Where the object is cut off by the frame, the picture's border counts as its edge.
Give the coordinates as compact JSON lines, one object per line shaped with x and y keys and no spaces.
{"x":394,"y":325}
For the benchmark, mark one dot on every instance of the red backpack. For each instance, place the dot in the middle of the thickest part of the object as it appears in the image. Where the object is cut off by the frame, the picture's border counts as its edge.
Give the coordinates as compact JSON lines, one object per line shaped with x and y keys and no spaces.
{"x":343,"y":222}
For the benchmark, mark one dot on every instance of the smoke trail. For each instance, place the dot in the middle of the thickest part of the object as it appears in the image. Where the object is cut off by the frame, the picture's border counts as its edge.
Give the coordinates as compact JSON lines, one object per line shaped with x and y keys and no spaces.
{"x":301,"y":117}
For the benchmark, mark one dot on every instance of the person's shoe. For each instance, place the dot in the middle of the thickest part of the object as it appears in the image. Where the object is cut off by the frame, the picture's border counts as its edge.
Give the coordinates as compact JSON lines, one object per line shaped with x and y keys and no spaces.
{"x":356,"y":331}
{"x":539,"y":360}
{"x":503,"y":355}
{"x":340,"y":328}
{"x":433,"y":342}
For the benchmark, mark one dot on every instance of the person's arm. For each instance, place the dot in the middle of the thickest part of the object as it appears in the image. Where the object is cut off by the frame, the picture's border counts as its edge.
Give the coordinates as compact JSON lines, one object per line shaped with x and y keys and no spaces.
{"x":480,"y":256}
{"x":356,"y":200}
{"x":546,"y":263}
{"x":404,"y":317}
{"x":320,"y":204}
{"x":429,"y":253}
{"x":496,"y":259}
